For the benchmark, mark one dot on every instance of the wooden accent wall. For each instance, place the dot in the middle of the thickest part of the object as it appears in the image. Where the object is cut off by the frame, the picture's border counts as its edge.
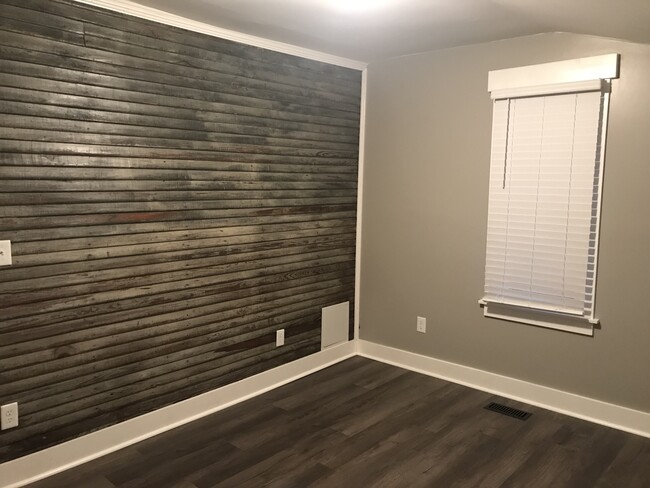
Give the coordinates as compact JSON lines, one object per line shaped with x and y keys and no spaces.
{"x":172,"y":200}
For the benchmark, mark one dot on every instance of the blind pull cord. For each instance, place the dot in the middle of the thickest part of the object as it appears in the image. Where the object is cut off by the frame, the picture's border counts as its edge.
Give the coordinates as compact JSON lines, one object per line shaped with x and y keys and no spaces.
{"x":505,"y":157}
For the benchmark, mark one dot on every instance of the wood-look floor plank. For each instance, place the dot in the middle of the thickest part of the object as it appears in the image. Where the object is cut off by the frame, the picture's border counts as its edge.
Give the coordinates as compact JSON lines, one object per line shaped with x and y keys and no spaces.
{"x":84,"y":474}
{"x":441,"y":439}
{"x":630,"y":467}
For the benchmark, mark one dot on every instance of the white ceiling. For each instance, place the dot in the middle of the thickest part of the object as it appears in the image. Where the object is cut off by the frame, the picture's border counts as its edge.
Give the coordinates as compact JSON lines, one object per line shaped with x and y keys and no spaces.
{"x":387,"y":28}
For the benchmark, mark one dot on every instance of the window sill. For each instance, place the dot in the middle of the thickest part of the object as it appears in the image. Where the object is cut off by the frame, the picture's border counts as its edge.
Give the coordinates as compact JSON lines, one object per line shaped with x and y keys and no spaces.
{"x":539,"y":318}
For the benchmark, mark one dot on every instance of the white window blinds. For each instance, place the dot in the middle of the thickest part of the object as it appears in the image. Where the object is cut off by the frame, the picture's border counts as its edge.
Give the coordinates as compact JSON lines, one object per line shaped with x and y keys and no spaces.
{"x":544,"y":198}
{"x":548,"y":136}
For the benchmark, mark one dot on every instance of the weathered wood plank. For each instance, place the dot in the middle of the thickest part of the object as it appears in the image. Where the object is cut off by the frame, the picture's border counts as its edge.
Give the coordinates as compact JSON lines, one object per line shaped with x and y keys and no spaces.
{"x":38,"y":290}
{"x":118,"y":185}
{"x":73,"y":149}
{"x":100,"y":247}
{"x":72,"y":360}
{"x":96,"y":38}
{"x":206,"y":377}
{"x":217,"y":112}
{"x":162,"y":377}
{"x":57,"y":342}
{"x":242,"y":66}
{"x":171,"y":356}
{"x":130,"y":201}
{"x":182,"y":174}
{"x":281,"y":301}
{"x":128,"y":229}
{"x":84,"y":265}
{"x":93,"y":314}
{"x":233,"y":89}
{"x":107,"y":129}
{"x":181,"y":37}
{"x":336,"y":80}
{"x":223,"y":122}
{"x":172,"y":199}
{"x":110,"y":122}
{"x":315,"y":172}
{"x":56,"y":221}
{"x":95,"y":360}
{"x":267,"y":80}
{"x":178,"y":370}
{"x":149,"y":286}
{"x":252,"y":200}
{"x":130,"y":141}
{"x":40,"y":19}
{"x":10,"y":24}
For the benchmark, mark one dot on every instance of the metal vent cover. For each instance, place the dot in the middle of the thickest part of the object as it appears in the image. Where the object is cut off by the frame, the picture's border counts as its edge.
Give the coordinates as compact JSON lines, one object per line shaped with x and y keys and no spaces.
{"x":509,"y":411}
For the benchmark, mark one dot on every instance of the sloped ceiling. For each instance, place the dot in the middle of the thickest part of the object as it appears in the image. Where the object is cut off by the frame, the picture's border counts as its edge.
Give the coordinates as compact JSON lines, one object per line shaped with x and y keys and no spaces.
{"x":376,"y":29}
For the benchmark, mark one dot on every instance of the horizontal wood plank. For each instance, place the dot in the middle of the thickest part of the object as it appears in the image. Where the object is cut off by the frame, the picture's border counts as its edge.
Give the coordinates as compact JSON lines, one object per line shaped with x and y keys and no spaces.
{"x":108,"y":129}
{"x":227,"y":88}
{"x":172,"y":200}
{"x":69,"y":10}
{"x":305,"y":172}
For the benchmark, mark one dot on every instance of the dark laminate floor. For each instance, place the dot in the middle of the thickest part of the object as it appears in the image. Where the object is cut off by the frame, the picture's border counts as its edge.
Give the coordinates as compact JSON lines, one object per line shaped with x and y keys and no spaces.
{"x":362,"y":423}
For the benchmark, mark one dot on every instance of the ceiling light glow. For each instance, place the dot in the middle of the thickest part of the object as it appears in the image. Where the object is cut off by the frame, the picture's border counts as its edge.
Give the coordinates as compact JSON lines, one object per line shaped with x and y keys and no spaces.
{"x":358,"y":5}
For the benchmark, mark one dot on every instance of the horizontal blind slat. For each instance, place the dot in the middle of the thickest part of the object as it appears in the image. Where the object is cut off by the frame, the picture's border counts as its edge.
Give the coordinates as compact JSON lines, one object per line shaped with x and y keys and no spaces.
{"x":543,"y":182}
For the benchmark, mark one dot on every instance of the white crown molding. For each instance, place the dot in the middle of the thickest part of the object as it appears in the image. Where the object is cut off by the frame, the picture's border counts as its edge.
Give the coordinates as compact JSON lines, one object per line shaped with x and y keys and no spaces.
{"x":130,"y":8}
{"x":50,"y":461}
{"x":599,"y":412}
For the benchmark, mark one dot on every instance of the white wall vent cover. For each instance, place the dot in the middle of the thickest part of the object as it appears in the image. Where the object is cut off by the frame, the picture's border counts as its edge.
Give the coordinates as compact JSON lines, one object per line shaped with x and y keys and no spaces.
{"x":335,"y":325}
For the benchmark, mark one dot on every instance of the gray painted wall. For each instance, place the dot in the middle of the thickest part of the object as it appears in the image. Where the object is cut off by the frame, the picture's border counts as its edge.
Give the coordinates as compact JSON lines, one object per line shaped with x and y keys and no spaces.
{"x":425,"y":213}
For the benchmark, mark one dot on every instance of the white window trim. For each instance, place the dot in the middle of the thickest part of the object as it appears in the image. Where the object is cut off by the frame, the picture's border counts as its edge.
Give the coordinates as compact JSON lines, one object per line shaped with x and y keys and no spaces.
{"x":575,"y":75}
{"x":543,"y":77}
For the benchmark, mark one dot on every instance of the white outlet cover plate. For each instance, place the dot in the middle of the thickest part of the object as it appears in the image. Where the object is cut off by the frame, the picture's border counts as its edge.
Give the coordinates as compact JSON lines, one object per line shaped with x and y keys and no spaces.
{"x":422,"y":324}
{"x":279,"y":338}
{"x":9,"y":416}
{"x":5,"y":253}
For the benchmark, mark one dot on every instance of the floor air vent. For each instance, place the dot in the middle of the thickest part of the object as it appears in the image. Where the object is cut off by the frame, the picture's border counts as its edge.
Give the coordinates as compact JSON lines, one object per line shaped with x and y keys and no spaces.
{"x":509,"y":411}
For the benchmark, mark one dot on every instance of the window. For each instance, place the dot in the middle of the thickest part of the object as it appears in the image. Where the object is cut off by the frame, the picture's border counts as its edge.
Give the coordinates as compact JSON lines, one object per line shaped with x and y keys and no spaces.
{"x":548,"y":137}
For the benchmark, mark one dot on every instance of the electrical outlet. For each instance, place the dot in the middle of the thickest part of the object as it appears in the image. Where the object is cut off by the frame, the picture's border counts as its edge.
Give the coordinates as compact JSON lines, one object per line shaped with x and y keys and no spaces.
{"x":5,"y":253}
{"x":422,"y":325}
{"x":279,"y":338}
{"x":9,"y":415}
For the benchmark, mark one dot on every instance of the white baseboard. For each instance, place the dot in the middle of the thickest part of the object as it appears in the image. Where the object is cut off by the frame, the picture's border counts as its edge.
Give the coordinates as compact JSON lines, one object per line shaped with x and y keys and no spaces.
{"x":63,"y":456}
{"x":608,"y":414}
{"x":47,"y":462}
